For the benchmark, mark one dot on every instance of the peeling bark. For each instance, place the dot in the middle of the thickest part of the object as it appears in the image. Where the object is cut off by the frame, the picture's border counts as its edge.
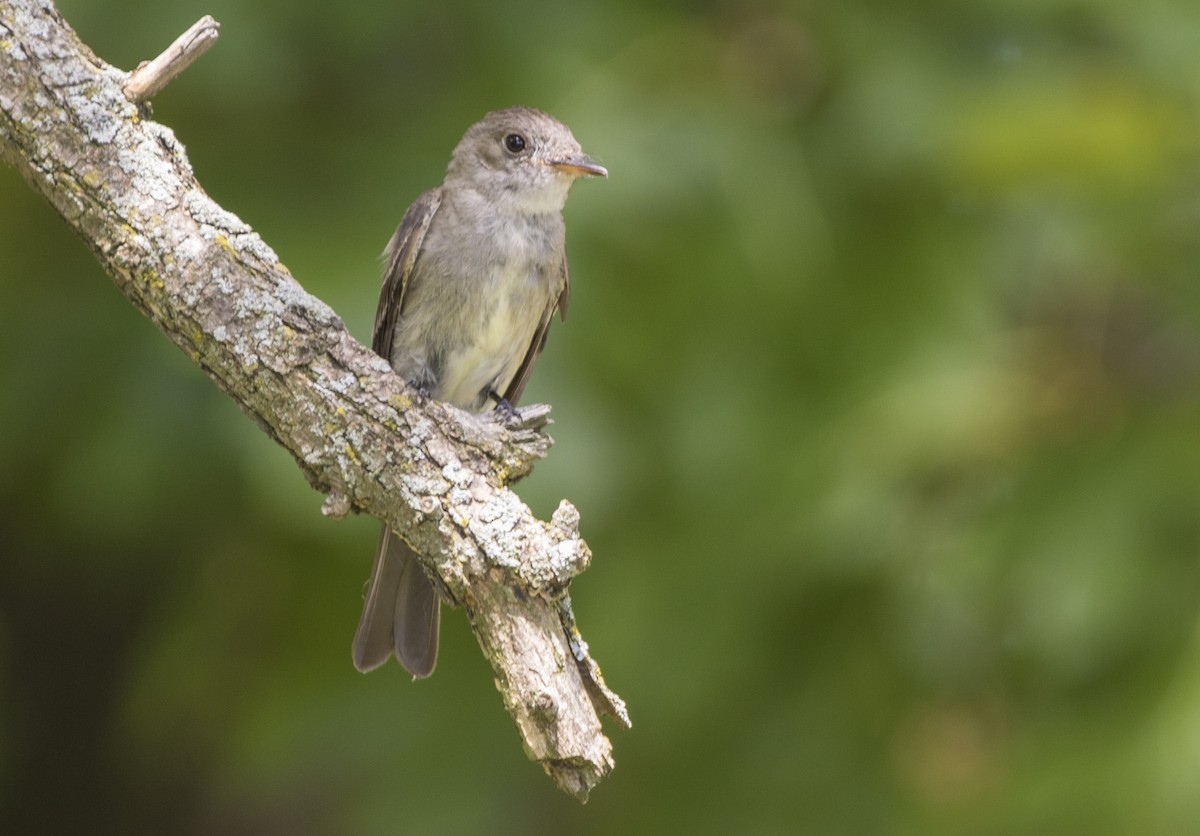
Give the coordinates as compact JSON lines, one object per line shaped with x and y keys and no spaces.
{"x":70,"y":124}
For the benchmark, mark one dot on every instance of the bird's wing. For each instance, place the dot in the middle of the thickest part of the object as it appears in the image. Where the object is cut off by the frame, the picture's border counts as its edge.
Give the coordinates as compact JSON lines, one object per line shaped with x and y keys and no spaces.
{"x":517,"y":386}
{"x":401,"y":255}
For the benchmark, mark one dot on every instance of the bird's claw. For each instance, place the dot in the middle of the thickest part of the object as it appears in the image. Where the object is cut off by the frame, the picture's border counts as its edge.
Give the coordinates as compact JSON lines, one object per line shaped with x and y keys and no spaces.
{"x":505,"y":412}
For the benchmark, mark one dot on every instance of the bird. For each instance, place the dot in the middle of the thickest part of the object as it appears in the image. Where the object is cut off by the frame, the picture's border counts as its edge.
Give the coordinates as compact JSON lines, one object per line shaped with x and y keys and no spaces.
{"x":474,"y":274}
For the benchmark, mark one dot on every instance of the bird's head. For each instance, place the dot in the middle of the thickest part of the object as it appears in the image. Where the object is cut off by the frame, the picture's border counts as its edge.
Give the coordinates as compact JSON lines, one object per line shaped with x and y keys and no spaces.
{"x":523,"y":158}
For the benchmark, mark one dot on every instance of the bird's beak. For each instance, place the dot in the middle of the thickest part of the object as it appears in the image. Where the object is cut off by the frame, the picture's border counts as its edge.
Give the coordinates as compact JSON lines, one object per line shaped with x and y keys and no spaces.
{"x":578,"y":166}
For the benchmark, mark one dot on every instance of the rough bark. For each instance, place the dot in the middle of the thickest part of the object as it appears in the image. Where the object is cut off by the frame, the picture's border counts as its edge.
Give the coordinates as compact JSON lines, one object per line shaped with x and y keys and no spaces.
{"x":70,"y":124}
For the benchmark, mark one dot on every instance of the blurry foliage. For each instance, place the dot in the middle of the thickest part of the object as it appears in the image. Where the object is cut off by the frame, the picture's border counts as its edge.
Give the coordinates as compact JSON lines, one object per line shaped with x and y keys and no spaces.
{"x":879,"y":396}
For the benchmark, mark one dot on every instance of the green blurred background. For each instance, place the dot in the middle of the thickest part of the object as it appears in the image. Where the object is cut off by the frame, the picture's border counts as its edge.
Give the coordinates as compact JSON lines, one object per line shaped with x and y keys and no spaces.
{"x":879,"y":398}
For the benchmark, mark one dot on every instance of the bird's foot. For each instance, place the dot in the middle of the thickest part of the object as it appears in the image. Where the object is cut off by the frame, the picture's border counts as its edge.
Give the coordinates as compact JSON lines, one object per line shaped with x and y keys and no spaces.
{"x":504,"y":412}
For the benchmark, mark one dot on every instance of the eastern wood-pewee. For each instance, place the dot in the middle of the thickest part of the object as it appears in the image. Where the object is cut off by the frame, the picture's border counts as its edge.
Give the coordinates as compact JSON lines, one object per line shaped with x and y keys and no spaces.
{"x":474,"y":274}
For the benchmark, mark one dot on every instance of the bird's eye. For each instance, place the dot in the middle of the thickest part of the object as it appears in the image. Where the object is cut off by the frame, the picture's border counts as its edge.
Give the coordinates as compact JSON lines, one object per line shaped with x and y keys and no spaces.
{"x":514,"y":143}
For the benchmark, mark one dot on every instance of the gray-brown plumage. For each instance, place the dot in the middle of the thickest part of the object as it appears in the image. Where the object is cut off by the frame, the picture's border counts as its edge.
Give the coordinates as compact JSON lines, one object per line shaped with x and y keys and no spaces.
{"x":475,"y":272}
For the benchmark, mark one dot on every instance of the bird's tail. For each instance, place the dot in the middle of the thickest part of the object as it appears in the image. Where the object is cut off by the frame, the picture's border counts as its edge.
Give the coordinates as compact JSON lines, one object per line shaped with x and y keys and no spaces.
{"x":401,"y":612}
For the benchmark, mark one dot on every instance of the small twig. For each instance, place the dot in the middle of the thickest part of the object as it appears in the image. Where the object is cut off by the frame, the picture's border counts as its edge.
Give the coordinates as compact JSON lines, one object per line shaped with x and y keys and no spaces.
{"x":152,"y":76}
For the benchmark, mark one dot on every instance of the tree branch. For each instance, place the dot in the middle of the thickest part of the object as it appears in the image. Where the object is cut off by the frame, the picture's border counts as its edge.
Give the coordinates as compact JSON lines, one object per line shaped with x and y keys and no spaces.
{"x":152,"y":76}
{"x":69,"y":123}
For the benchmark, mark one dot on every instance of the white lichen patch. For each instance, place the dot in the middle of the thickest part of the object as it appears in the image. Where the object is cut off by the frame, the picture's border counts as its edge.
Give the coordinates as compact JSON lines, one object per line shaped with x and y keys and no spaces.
{"x":17,"y":54}
{"x":152,"y":179}
{"x":166,"y":137}
{"x":247,"y":355}
{"x":455,"y":473}
{"x":427,"y":488}
{"x":36,"y":26}
{"x":376,"y":363}
{"x":579,"y":648}
{"x":331,"y":381}
{"x":569,"y":558}
{"x":459,"y":497}
{"x":421,"y":432}
{"x":251,"y":244}
{"x":189,"y":249}
{"x":295,"y":296}
{"x":248,"y":304}
{"x":207,"y":213}
{"x":96,"y":102}
{"x":547,"y":557}
{"x":253,"y":303}
{"x":96,"y":115}
{"x":495,"y":526}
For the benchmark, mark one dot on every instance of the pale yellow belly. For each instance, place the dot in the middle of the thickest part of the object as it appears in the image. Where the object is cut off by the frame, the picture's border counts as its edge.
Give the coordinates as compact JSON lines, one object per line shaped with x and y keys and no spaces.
{"x":491,"y":359}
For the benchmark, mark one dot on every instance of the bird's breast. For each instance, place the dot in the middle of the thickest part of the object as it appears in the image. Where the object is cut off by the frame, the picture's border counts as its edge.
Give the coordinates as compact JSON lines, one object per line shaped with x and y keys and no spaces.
{"x":491,"y":350}
{"x":476,"y":302}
